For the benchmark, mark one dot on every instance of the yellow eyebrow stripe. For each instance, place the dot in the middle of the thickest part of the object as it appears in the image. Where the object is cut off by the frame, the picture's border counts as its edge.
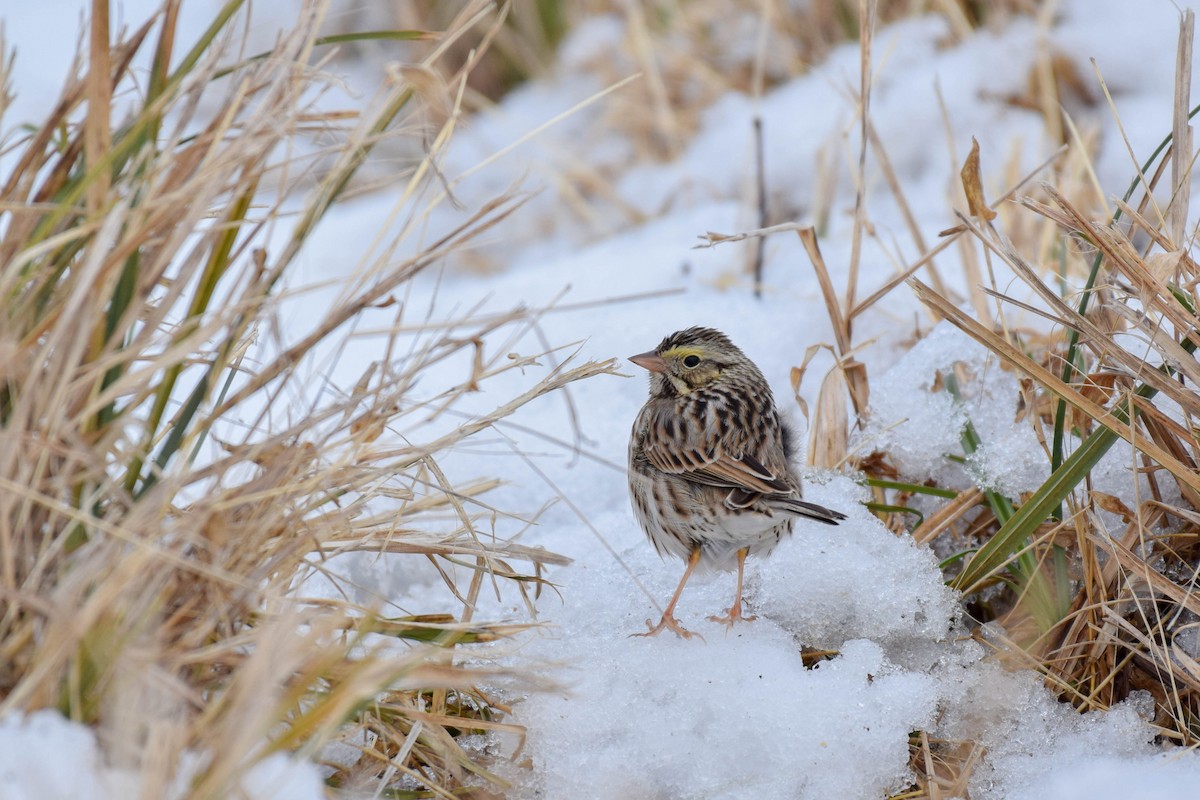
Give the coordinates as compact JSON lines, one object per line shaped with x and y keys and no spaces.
{"x":683,"y":351}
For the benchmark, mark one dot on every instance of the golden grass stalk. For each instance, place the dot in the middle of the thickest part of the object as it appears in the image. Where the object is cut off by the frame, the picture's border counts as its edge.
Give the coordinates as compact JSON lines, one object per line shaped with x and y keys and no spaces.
{"x":162,"y":501}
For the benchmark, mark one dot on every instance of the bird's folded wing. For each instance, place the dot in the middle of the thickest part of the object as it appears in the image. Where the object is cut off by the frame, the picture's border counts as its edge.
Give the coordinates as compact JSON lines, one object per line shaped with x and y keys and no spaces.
{"x":745,"y":472}
{"x":716,"y":468}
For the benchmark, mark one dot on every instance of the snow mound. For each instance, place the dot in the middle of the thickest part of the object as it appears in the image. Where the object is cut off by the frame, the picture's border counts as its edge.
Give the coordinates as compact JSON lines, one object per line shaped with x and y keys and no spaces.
{"x":740,"y":717}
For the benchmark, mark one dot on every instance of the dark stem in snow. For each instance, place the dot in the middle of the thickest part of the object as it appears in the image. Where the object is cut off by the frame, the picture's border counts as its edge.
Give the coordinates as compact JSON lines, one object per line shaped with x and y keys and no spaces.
{"x":761,"y":177}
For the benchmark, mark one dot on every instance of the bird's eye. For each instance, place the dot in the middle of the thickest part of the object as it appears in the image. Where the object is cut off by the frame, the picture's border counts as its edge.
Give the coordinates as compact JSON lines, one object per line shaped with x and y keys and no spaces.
{"x":691,"y":361}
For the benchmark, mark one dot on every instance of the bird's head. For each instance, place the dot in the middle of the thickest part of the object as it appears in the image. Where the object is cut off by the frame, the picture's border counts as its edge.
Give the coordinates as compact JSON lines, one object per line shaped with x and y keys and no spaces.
{"x":692,"y":359}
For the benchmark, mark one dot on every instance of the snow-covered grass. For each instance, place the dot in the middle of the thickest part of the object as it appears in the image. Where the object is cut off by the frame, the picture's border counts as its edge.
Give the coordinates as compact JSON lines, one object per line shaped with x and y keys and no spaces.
{"x":1066,"y":668}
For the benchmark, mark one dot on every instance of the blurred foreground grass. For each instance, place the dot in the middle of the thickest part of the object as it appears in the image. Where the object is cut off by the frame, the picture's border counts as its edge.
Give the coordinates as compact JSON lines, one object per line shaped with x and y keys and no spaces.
{"x":162,"y":499}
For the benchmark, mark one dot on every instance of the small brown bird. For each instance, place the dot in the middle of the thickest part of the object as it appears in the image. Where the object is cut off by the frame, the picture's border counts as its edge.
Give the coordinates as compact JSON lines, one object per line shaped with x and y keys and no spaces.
{"x":710,"y":474}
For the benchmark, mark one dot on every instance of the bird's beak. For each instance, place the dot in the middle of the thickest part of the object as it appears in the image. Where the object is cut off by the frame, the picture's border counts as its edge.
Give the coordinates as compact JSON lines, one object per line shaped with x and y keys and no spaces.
{"x":651,"y":361}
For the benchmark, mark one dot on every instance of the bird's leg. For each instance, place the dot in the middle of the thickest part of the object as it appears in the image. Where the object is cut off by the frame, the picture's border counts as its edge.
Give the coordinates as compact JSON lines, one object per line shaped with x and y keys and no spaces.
{"x":668,"y":618}
{"x":735,"y":611}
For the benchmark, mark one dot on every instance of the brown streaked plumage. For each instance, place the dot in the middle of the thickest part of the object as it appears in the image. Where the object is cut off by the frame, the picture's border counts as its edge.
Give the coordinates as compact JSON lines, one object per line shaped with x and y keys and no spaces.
{"x":710,"y":475}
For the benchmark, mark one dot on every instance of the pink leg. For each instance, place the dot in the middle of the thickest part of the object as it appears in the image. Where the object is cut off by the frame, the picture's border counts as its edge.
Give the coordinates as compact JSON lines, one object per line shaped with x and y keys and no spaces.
{"x":735,"y":611}
{"x":668,"y":618}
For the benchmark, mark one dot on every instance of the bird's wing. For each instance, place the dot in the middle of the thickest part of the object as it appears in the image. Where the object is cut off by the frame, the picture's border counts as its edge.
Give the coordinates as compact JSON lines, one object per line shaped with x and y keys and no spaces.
{"x":679,"y":449}
{"x":744,"y":472}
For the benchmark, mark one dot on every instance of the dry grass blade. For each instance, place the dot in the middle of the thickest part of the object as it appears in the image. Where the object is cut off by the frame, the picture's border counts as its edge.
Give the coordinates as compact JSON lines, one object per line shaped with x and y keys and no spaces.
{"x":1181,"y":131}
{"x":914,"y":230}
{"x":867,"y":12}
{"x":951,"y":235}
{"x":941,"y":520}
{"x":828,"y":444}
{"x":841,"y":329}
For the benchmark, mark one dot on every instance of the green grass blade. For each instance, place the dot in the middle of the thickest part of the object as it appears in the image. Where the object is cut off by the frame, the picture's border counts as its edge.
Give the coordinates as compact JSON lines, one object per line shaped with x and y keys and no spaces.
{"x":1013,"y":534}
{"x":217,"y":266}
{"x":338,"y":38}
{"x":887,"y":508}
{"x":1040,"y":592}
{"x":912,"y":488}
{"x":949,"y":561}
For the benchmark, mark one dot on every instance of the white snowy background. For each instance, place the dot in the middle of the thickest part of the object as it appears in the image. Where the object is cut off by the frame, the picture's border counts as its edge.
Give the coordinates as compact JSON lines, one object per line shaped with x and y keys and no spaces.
{"x":736,"y":715}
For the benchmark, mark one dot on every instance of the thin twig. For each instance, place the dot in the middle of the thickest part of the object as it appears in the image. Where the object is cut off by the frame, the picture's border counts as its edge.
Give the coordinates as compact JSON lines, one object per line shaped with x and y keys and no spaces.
{"x":761,"y":181}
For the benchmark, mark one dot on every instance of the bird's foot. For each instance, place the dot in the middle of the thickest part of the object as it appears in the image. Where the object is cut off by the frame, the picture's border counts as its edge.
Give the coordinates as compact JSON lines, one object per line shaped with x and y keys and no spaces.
{"x":733,"y":615}
{"x":668,"y":622}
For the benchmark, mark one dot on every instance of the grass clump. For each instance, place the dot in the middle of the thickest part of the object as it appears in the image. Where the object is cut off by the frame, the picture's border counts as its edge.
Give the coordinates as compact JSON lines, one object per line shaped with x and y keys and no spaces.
{"x":1094,"y":591}
{"x":165,"y":496}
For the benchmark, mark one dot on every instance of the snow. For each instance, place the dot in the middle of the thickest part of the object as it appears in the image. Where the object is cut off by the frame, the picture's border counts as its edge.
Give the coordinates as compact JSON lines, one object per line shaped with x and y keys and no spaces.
{"x":45,"y":757}
{"x":1152,"y":777}
{"x":737,"y":714}
{"x":720,"y":726}
{"x":1029,"y":737}
{"x":830,"y":584}
{"x":918,"y":426}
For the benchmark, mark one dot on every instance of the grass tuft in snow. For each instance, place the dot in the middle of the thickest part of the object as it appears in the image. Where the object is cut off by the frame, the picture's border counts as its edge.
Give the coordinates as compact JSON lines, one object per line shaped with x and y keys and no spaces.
{"x":165,"y":498}
{"x":1091,"y":584}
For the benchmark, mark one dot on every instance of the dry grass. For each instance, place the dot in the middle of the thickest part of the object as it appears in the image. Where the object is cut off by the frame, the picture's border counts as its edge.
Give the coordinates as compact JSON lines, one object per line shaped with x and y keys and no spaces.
{"x":1132,"y":377}
{"x":164,"y":498}
{"x":1096,"y":593}
{"x":691,"y":53}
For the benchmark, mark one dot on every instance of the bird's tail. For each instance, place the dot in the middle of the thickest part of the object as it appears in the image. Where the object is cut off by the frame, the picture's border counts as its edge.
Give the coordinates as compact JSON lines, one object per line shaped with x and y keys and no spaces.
{"x":802,"y":508}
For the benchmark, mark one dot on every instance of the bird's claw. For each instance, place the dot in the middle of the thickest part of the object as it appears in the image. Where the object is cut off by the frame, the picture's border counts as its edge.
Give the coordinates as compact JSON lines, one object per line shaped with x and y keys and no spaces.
{"x":670,"y":623}
{"x":731,"y":616}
